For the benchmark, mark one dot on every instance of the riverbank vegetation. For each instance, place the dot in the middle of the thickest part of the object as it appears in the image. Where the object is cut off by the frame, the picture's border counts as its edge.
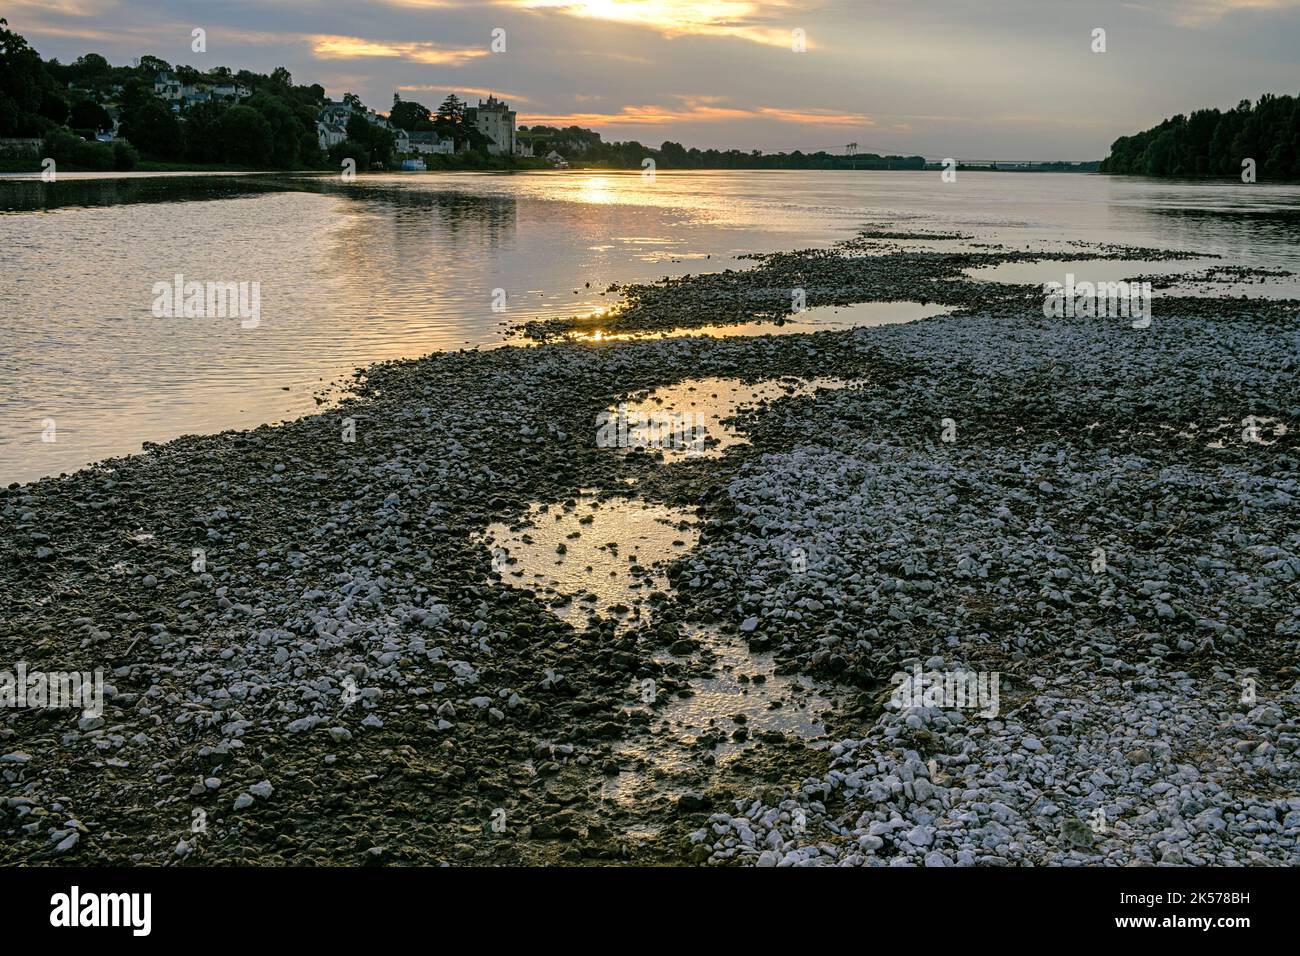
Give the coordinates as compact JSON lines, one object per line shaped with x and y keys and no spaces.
{"x":1211,"y":143}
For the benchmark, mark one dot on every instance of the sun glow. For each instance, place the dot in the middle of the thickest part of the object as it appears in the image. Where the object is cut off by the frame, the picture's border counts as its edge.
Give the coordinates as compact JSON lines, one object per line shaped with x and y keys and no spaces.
{"x":734,"y":18}
{"x":330,"y":47}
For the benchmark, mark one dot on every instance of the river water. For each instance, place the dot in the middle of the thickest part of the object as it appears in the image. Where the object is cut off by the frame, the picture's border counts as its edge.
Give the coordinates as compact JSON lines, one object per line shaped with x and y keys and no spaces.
{"x":395,"y":266}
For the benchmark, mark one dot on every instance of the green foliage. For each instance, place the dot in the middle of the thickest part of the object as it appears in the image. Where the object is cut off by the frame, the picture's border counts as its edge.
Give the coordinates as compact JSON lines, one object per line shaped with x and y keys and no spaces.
{"x":87,"y":114}
{"x":205,"y":137}
{"x":352,"y":149}
{"x":286,"y":128}
{"x":275,"y":127}
{"x":69,"y":150}
{"x":246,"y":136}
{"x":376,"y":140}
{"x":1210,"y":143}
{"x":409,"y":115}
{"x":30,"y":102}
{"x":54,"y":107}
{"x":452,"y":120}
{"x":152,"y":128}
{"x":124,"y":155}
{"x":151,"y":66}
{"x":586,"y":147}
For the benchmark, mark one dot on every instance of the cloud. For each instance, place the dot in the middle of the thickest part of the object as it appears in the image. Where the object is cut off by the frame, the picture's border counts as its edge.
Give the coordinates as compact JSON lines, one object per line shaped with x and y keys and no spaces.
{"x":330,"y":47}
{"x":815,"y":117}
{"x":1198,"y":13}
{"x":65,"y":8}
{"x":462,"y":91}
{"x":701,"y":109}
{"x":740,"y":19}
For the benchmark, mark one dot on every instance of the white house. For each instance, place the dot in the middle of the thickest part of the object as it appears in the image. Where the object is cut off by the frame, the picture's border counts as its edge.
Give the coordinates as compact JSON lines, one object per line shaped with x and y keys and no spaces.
{"x":167,"y":86}
{"x":329,"y":133}
{"x":431,"y":143}
{"x":230,"y":91}
{"x":336,"y":112}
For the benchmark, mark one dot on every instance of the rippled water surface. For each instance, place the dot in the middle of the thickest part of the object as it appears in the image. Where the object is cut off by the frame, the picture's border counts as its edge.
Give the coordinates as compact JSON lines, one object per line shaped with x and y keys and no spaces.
{"x":591,"y":557}
{"x":401,"y":265}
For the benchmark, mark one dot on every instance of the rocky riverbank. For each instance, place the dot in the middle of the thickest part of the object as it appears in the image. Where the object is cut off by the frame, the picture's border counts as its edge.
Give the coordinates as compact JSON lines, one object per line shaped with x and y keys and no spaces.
{"x":384,"y":650}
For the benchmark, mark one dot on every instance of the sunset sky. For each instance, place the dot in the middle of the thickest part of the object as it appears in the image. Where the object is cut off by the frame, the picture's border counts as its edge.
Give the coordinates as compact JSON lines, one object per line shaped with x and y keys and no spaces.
{"x":975,"y":79}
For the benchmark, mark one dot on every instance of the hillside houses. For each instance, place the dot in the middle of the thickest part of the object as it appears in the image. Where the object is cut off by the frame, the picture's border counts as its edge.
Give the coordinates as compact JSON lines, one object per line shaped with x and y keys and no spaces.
{"x":332,"y":125}
{"x":492,"y":118}
{"x":336,"y":113}
{"x":328,"y":134}
{"x":168,"y":87}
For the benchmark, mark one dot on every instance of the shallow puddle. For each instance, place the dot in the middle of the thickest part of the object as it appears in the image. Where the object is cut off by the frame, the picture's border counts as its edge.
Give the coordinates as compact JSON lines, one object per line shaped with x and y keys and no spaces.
{"x":692,"y":419}
{"x":1038,"y":272}
{"x":590,"y":556}
{"x":822,"y":318}
{"x":745,"y":685}
{"x":1183,"y":277}
{"x":727,"y":712}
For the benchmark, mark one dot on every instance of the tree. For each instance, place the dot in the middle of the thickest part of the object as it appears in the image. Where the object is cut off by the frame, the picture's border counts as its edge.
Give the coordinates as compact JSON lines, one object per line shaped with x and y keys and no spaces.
{"x":282,"y":77}
{"x":358,"y":128}
{"x":91,"y":70}
{"x":124,"y":155}
{"x":673,"y":154}
{"x":205,"y":140}
{"x":54,"y":106}
{"x":24,"y":87}
{"x":150,"y":66}
{"x":1216,"y":144}
{"x":152,"y":129}
{"x":452,"y":120}
{"x":246,"y":136}
{"x":377,"y":140}
{"x":286,"y":128}
{"x":87,"y":114}
{"x":358,"y":152}
{"x":408,"y":115}
{"x":70,"y":150}
{"x":452,"y":111}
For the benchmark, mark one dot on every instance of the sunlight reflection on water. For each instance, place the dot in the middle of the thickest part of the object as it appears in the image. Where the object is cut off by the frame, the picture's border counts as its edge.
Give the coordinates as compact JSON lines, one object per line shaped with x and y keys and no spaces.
{"x":401,"y":265}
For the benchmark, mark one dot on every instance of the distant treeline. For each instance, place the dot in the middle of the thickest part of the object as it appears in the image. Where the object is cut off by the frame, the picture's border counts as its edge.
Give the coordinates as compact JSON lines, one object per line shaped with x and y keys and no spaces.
{"x":585,"y":147}
{"x":1211,"y":143}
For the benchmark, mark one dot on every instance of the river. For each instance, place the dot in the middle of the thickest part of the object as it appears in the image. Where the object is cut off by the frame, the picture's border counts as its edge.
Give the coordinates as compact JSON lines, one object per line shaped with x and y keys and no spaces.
{"x":394,"y":266}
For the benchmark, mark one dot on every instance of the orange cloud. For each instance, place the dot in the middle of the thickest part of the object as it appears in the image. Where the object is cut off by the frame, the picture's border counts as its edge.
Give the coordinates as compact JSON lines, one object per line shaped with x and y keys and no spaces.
{"x":461,"y":91}
{"x":330,"y":47}
{"x":816,"y":117}
{"x":700,"y":110}
{"x":66,"y":8}
{"x":741,"y":19}
{"x":1195,"y":13}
